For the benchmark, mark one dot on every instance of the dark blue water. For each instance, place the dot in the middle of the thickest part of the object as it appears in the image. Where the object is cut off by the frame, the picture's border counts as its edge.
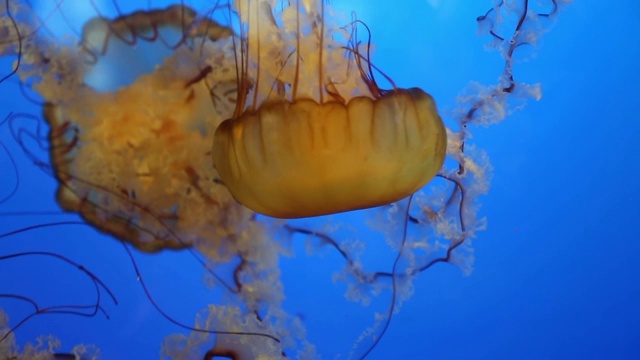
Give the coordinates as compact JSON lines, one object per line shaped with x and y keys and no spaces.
{"x":555,"y":272}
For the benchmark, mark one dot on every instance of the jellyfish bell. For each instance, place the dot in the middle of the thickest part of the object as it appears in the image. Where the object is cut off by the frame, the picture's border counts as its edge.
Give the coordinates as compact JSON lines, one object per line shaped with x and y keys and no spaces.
{"x":305,"y":159}
{"x":317,"y":136}
{"x":114,"y":155}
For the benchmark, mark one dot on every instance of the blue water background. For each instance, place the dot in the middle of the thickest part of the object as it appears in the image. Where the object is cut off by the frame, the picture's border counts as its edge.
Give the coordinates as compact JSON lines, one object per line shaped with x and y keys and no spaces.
{"x":556,"y":271}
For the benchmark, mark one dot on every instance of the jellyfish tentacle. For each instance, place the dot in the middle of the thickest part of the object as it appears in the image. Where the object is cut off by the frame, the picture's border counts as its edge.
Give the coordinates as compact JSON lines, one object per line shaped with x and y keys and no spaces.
{"x":68,"y":309}
{"x":164,"y":314}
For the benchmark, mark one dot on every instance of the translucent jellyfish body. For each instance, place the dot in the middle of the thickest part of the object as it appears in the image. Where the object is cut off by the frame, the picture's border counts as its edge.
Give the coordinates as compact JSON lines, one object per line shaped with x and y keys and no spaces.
{"x":141,"y":169}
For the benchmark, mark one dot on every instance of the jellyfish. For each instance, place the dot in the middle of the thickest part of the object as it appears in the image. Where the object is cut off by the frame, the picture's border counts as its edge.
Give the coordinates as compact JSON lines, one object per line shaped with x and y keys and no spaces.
{"x":313,"y":133}
{"x":256,"y":116}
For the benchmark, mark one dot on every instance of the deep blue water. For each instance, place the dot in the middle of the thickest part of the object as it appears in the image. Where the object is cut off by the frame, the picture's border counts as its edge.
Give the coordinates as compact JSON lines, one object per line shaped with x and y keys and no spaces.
{"x":555,"y":275}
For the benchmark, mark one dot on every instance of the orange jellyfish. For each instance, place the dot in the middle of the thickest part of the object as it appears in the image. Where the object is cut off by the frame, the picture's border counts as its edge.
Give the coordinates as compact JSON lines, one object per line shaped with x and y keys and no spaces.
{"x":257,"y":107}
{"x":313,"y":133}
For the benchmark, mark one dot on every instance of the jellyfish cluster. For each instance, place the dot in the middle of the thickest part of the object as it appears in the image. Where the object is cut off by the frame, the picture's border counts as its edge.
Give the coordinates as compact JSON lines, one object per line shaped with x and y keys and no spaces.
{"x":256,"y":116}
